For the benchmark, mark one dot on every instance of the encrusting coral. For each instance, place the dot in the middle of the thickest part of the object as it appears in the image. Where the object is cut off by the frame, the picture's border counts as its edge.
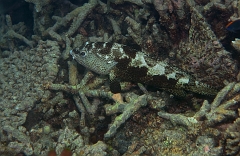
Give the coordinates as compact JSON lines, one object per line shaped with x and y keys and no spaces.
{"x":203,"y":53}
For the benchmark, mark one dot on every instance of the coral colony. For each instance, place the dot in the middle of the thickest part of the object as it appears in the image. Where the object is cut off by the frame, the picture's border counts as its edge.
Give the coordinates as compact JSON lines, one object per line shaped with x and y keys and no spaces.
{"x":119,"y":77}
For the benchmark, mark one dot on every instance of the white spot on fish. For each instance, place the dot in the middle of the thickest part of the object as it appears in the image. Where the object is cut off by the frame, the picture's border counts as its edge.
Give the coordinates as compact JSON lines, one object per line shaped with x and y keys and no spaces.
{"x":183,"y":80}
{"x":104,"y":45}
{"x":171,"y":75}
{"x":98,"y":54}
{"x":106,"y":57}
{"x":158,"y":69}
{"x":196,"y":83}
{"x":71,"y":53}
{"x":121,"y":50}
{"x":139,"y":61}
{"x":93,"y":46}
{"x":115,"y":46}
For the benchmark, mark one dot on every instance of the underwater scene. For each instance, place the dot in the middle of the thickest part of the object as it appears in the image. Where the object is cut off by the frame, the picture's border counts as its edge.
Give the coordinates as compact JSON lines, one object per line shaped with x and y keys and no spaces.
{"x":119,"y":78}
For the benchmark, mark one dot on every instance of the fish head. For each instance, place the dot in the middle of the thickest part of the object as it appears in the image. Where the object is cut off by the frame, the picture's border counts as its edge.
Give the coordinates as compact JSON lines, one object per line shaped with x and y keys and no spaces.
{"x":92,"y":57}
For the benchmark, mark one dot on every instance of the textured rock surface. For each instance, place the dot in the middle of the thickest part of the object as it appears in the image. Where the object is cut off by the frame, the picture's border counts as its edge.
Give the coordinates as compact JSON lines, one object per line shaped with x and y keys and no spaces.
{"x":22,"y":74}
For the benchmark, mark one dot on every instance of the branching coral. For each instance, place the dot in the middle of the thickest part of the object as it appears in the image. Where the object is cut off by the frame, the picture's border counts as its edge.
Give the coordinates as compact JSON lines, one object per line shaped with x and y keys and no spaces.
{"x":219,"y":110}
{"x":134,"y":102}
{"x":77,"y":15}
{"x":39,"y":4}
{"x":233,"y":137}
{"x":12,"y":32}
{"x":215,"y":112}
{"x":134,"y":30}
{"x":214,"y":4}
{"x":83,"y":90}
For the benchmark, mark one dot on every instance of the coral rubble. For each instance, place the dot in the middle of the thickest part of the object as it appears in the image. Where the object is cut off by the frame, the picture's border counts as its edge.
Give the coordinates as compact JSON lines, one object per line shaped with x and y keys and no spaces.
{"x":21,"y":82}
{"x":49,"y":103}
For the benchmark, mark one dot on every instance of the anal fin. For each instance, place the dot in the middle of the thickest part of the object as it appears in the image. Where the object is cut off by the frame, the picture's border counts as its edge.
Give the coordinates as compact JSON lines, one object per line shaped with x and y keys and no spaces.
{"x":176,"y":92}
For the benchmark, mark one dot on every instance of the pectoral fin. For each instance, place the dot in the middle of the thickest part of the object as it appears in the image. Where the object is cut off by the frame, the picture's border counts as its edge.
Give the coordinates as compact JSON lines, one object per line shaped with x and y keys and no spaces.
{"x":115,"y":86}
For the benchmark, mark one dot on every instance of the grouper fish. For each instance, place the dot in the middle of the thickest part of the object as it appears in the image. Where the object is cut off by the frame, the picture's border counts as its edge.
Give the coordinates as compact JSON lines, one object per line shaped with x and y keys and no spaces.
{"x":123,"y":63}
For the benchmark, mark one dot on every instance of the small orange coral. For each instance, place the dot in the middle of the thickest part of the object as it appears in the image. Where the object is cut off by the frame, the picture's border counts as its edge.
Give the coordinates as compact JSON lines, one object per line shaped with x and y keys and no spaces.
{"x":118,"y":98}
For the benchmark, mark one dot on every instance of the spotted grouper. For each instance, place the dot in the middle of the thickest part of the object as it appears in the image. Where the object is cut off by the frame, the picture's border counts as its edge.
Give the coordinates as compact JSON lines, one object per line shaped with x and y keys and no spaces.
{"x":123,"y":63}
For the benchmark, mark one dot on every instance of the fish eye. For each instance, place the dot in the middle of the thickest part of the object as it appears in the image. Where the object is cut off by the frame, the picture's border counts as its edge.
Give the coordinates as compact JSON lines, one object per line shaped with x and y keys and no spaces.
{"x":83,"y":53}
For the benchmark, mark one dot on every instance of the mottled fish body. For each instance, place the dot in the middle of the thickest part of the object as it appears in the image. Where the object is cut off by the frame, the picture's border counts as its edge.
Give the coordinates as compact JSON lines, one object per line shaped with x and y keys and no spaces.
{"x":121,"y":62}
